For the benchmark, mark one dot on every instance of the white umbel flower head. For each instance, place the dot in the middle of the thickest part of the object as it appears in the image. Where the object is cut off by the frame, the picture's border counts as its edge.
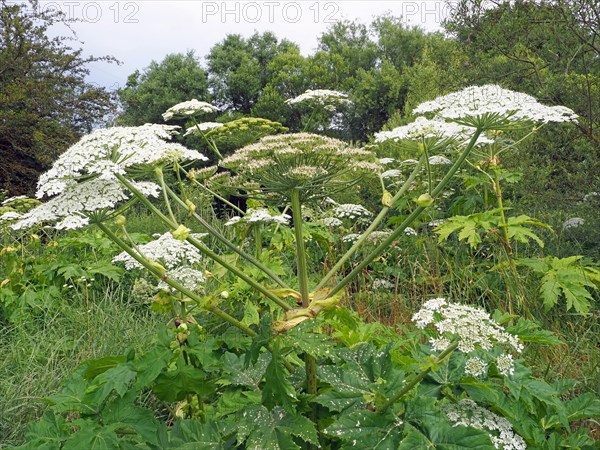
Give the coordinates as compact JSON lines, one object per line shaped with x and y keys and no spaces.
{"x":476,"y":101}
{"x":201,"y":127}
{"x":77,"y":200}
{"x":467,"y":413}
{"x":323,"y":97}
{"x":111,"y":151}
{"x":259,"y":215}
{"x":351,"y":211}
{"x":472,"y":328}
{"x":189,"y":108}
{"x":191,"y":279}
{"x":171,"y":252}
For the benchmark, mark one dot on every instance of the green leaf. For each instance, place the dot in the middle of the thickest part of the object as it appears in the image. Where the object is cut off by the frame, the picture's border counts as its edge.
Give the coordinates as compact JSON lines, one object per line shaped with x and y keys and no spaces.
{"x":274,"y":430}
{"x":95,"y":367}
{"x":565,"y":277}
{"x":123,"y":413}
{"x":585,"y":406}
{"x":48,"y":433}
{"x":72,"y":396}
{"x":117,"y":379}
{"x":91,"y":436}
{"x":529,"y":331}
{"x":278,"y":390}
{"x":195,"y":435}
{"x":175,"y":385}
{"x":442,"y":436}
{"x":367,"y":430}
{"x":303,"y":339}
{"x":251,"y":316}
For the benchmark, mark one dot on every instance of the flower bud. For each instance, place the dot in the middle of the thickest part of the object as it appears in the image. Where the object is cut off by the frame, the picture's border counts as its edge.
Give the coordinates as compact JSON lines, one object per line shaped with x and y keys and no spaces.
{"x":181,"y":233}
{"x":425,"y":200}
{"x":387,"y":199}
{"x":120,"y":220}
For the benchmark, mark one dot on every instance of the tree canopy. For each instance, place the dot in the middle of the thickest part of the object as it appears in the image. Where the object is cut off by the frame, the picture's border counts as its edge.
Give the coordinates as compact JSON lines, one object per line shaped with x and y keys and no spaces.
{"x":148,"y":94}
{"x":45,"y":101}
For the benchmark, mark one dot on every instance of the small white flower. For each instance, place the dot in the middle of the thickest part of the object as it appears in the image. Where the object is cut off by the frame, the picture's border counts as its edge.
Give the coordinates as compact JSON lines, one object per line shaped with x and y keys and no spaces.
{"x":505,"y":364}
{"x":331,"y":222}
{"x":475,"y":366}
{"x":10,"y":215}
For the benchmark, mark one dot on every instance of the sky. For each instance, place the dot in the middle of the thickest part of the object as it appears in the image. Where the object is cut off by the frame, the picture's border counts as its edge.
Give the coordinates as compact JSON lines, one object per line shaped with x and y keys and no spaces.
{"x":138,"y":32}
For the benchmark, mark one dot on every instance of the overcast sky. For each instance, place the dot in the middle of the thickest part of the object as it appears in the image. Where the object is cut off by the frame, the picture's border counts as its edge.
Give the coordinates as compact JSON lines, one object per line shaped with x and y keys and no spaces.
{"x":137,"y":32}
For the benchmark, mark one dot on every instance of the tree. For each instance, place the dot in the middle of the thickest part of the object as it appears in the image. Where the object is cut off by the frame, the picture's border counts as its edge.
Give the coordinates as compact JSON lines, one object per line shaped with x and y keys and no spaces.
{"x":239,"y":68}
{"x":45,"y":102}
{"x":177,"y":78}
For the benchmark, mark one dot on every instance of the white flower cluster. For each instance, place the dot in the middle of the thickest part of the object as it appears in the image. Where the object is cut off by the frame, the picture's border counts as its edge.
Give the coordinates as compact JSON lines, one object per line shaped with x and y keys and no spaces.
{"x":259,"y":215}
{"x":392,"y":173}
{"x":111,"y":151}
{"x":12,"y":199}
{"x":189,"y":108}
{"x":379,"y":284}
{"x":437,"y":160}
{"x":83,"y":177}
{"x":201,"y":127}
{"x":321,"y":97}
{"x":70,"y":207}
{"x":190,"y":278}
{"x":573,"y":222}
{"x":468,"y":414}
{"x":472,"y":327}
{"x":352,"y":237}
{"x":475,"y":101}
{"x":313,"y":164}
{"x":331,"y":222}
{"x":350,"y":211}
{"x":424,"y":128}
{"x":10,"y":216}
{"x":171,"y":252}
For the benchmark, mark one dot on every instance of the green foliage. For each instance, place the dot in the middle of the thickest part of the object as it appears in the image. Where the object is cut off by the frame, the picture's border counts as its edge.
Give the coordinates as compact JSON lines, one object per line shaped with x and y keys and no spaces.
{"x":475,"y":227}
{"x":565,"y":278}
{"x":45,"y":102}
{"x":148,"y":94}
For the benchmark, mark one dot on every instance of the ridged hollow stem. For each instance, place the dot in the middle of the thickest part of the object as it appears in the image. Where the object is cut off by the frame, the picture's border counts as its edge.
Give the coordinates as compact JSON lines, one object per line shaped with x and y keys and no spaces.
{"x":161,"y":180}
{"x":230,"y":245}
{"x":257,"y":229}
{"x":158,"y":273}
{"x":410,"y":219}
{"x":371,"y":228}
{"x":213,"y":193}
{"x":203,"y":249}
{"x":211,"y":144}
{"x":302,"y":267}
{"x":418,"y":378}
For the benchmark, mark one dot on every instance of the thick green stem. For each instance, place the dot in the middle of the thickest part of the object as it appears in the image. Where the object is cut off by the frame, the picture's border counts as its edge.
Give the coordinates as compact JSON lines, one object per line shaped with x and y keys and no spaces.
{"x":371,"y":228}
{"x":257,"y":240}
{"x":161,"y":179}
{"x":417,"y":379}
{"x":174,"y":284}
{"x":231,"y":246}
{"x":398,"y":231}
{"x":205,"y":250}
{"x":309,"y":361}
{"x":210,"y":144}
{"x":499,"y":201}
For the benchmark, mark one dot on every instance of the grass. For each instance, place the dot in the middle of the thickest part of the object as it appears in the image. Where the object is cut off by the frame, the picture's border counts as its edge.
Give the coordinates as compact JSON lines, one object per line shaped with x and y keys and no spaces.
{"x":36,"y":355}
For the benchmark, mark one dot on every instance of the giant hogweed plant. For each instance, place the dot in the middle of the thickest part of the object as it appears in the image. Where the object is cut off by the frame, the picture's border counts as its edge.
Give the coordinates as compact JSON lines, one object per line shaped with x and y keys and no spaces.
{"x":261,"y":358}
